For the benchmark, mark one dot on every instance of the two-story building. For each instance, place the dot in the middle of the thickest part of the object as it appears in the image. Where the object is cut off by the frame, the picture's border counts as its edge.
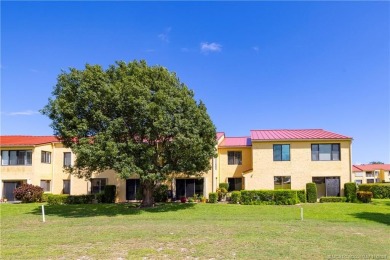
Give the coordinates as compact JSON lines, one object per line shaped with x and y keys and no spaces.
{"x":268,"y":159}
{"x":370,"y":173}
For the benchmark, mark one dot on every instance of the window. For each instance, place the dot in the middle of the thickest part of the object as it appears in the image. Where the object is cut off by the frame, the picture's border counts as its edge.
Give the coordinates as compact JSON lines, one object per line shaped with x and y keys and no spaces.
{"x":369,"y":174}
{"x":282,"y":182}
{"x":325,"y":152}
{"x":370,"y":180}
{"x":358,"y":182}
{"x":281,"y":152}
{"x":45,"y":185}
{"x":235,"y":184}
{"x":19,"y":157}
{"x":67,"y":159}
{"x":45,"y":157}
{"x":66,"y":187}
{"x":97,"y":185}
{"x":234,"y":157}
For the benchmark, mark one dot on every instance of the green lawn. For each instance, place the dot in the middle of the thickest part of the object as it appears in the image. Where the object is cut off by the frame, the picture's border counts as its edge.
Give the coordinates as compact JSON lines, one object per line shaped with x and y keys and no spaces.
{"x":202,"y":231}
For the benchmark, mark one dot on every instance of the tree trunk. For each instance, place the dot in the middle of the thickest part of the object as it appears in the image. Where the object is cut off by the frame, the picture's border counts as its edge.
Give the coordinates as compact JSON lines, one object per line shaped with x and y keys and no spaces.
{"x":147,"y":194}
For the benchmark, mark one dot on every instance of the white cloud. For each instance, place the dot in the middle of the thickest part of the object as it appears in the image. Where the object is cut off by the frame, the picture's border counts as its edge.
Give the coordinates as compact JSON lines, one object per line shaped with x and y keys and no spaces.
{"x":255,"y":48}
{"x":206,"y":47}
{"x":22,"y":113}
{"x":164,"y":36}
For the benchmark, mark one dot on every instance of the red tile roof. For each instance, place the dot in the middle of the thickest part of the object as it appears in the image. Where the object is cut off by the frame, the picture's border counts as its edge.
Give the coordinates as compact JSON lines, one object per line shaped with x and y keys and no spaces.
{"x":219,"y":135}
{"x":23,"y":140}
{"x":236,"y":141}
{"x":370,"y":167}
{"x":286,"y":134}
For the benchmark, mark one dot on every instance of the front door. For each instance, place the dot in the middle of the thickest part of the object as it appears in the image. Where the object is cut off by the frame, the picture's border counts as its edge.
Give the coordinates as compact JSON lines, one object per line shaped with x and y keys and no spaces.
{"x":188,"y":187}
{"x":9,"y":188}
{"x":332,"y":186}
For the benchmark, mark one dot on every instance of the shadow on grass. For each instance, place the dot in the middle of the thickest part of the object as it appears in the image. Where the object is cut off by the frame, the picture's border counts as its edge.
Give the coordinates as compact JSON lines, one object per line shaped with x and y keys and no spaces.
{"x":374,"y":216}
{"x":109,"y":210}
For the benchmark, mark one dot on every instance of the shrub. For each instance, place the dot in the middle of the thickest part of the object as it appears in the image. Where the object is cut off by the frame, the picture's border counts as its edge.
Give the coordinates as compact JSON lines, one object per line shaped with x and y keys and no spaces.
{"x":333,"y":199}
{"x":285,"y":197}
{"x":301,"y":196}
{"x":28,"y":193}
{"x":311,"y":191}
{"x":350,"y":191}
{"x":221,"y":193}
{"x":80,"y":199}
{"x":191,"y":200}
{"x":364,"y":196}
{"x":57,"y":199}
{"x":183,"y":199}
{"x":109,"y":194}
{"x":379,"y":190}
{"x":224,"y":185}
{"x":236,"y":197}
{"x":160,"y":193}
{"x":213,"y":197}
{"x":45,"y":197}
{"x":100,"y":197}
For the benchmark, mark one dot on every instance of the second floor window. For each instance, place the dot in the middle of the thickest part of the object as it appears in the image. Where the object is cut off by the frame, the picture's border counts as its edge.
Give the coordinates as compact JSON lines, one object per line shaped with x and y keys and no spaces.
{"x":20,"y":157}
{"x":234,"y":157}
{"x":325,"y":152}
{"x":45,"y":157}
{"x":281,"y":152}
{"x":67,"y":159}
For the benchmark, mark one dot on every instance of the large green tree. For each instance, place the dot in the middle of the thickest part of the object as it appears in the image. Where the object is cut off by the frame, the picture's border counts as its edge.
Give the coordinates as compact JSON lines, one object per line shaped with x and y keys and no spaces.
{"x":133,"y":118}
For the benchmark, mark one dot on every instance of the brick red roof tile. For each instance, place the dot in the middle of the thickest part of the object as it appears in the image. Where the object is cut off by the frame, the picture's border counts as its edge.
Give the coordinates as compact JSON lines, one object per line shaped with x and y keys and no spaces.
{"x":296,"y":134}
{"x":370,"y":167}
{"x":25,"y":140}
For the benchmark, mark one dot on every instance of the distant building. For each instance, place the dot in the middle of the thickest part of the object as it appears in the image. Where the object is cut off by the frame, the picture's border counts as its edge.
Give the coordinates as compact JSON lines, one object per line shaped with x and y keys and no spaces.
{"x":370,"y":173}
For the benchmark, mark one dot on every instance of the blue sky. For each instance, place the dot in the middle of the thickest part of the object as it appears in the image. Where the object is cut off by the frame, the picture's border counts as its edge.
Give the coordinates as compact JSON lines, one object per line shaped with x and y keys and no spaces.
{"x":256,"y":65}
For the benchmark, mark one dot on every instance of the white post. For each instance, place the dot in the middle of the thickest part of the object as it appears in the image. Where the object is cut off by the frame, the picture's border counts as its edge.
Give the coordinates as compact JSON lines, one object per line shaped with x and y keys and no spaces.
{"x":301,"y":213}
{"x":43,"y":213}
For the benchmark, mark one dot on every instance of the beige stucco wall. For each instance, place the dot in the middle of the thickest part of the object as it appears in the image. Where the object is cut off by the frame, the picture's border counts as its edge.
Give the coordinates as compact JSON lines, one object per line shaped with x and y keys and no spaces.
{"x":300,"y":167}
{"x":226,"y":171}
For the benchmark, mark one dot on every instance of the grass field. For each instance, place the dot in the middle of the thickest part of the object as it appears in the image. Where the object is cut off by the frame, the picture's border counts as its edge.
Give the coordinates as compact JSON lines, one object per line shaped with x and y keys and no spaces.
{"x":196,"y":231}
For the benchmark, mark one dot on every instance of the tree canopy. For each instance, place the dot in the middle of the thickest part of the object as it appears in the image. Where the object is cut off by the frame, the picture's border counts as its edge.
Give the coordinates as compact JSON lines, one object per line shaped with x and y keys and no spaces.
{"x":376,"y":162}
{"x":133,"y":118}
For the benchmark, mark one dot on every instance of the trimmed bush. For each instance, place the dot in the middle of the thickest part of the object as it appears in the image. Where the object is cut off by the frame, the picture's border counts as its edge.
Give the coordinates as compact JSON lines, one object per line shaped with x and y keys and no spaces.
{"x":311,"y":192}
{"x":160,"y":193}
{"x":45,"y":197}
{"x":57,"y":199}
{"x":213,"y":197}
{"x":224,"y":185}
{"x":28,"y":193}
{"x":285,"y":197}
{"x":235,"y":197}
{"x":80,"y":199}
{"x":221,"y":193}
{"x":379,"y":190}
{"x":364,"y":196}
{"x":301,"y":196}
{"x":333,"y":199}
{"x":350,"y":191}
{"x":109,"y":194}
{"x":100,"y":197}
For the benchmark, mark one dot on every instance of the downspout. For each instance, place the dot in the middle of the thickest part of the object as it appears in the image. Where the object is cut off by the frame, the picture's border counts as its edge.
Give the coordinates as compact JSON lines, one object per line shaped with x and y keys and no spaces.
{"x":52,"y":168}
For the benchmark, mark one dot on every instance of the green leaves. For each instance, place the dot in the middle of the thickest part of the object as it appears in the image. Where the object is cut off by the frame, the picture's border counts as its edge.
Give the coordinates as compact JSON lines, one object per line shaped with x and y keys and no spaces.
{"x":132,"y":118}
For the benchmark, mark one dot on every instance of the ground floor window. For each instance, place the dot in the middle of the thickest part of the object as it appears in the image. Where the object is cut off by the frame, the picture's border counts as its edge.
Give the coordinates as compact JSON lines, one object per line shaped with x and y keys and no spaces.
{"x":188,"y":187}
{"x":133,"y":188}
{"x":97,"y":185}
{"x":327,"y":186}
{"x":282,"y":182}
{"x":8,"y":189}
{"x":358,"y":182}
{"x":235,"y":184}
{"x":370,"y":180}
{"x":66,"y":187}
{"x":45,"y":185}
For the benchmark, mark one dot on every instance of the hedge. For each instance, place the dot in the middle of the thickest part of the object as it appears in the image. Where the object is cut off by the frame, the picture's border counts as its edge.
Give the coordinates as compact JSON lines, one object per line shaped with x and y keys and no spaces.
{"x":160,"y":193}
{"x":333,"y":199}
{"x":57,"y":199}
{"x":301,"y":196}
{"x":235,"y":197}
{"x":269,"y":197}
{"x":350,"y":191}
{"x":311,"y":191}
{"x":364,"y":196}
{"x":109,"y":194}
{"x":80,"y":199}
{"x":213,"y":197}
{"x":379,"y":190}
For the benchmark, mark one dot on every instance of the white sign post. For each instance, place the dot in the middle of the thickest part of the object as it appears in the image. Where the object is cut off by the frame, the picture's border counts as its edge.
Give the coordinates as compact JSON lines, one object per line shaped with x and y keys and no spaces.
{"x":43,"y":213}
